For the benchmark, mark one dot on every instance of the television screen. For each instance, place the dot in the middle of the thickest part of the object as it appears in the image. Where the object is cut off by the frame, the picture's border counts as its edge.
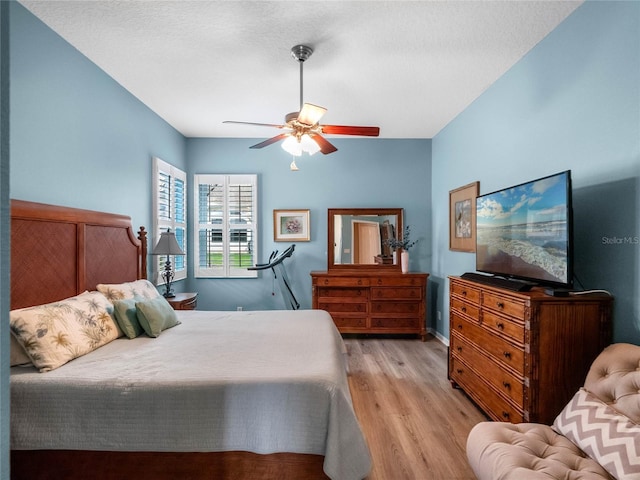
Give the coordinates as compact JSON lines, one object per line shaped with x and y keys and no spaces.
{"x":525,"y":231}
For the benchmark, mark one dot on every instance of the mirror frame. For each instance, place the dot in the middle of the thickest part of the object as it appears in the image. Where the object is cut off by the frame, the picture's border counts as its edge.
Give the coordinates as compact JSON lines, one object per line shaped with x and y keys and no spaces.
{"x":332,"y":212}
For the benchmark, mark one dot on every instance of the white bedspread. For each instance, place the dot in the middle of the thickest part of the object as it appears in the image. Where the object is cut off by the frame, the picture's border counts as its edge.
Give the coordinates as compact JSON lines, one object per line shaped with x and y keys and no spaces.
{"x":263,"y":382}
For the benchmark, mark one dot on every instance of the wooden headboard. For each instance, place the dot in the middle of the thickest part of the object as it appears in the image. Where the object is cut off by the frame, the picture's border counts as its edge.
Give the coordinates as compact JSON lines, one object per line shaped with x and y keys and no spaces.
{"x":58,"y":252}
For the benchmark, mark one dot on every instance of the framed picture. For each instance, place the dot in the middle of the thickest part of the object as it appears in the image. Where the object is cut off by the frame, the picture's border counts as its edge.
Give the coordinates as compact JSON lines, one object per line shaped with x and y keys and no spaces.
{"x":462,"y":218}
{"x":291,"y":226}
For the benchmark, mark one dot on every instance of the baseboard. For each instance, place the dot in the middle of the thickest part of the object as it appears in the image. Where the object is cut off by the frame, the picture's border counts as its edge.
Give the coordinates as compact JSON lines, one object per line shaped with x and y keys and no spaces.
{"x":438,"y":336}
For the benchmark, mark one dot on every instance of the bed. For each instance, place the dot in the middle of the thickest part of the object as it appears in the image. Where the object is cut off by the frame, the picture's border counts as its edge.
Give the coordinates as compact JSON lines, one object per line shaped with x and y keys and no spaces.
{"x":219,"y":395}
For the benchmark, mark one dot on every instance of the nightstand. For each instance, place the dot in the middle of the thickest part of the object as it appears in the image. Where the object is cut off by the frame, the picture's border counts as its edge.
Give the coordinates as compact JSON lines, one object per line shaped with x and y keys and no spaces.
{"x":184,"y":301}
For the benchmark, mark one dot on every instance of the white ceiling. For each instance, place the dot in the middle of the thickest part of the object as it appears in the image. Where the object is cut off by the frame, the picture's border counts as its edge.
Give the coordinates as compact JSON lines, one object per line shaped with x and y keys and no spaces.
{"x":408,"y":67}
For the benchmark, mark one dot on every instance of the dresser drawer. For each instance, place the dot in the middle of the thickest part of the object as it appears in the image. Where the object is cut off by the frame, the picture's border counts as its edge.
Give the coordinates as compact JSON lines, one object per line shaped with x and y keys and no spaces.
{"x":503,"y":325}
{"x":356,"y":293}
{"x":398,"y":293}
{"x":396,"y":281}
{"x":502,"y":381}
{"x":468,"y":293}
{"x":504,"y":305}
{"x":395,"y":322}
{"x":501,"y":350}
{"x":347,"y":307}
{"x":343,"y":282}
{"x":412,"y":308}
{"x":465,"y":307}
{"x":345,"y":321}
{"x":494,"y":405}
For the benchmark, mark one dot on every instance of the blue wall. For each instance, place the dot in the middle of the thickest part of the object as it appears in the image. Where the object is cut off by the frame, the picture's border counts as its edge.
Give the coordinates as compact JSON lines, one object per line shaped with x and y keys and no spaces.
{"x":572,"y":103}
{"x":78,"y":138}
{"x":362,"y":173}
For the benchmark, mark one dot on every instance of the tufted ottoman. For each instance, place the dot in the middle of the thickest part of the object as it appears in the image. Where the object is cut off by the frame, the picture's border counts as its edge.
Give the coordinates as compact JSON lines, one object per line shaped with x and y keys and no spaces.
{"x":596,"y":436}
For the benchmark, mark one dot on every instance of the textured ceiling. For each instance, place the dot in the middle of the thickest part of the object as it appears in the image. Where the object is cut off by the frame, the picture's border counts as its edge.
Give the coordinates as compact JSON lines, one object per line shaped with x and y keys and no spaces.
{"x":407,"y":66}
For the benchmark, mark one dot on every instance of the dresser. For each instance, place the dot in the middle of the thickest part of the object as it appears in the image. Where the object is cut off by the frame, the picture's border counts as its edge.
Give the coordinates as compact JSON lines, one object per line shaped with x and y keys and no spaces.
{"x":373,"y":302}
{"x":521,"y":356}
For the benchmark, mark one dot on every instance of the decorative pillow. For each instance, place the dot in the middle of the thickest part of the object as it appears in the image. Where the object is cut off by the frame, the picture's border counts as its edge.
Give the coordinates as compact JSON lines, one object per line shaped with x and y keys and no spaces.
{"x":140,"y":289}
{"x":58,"y":332}
{"x":18,"y":355}
{"x":604,"y":434}
{"x":127,"y":317}
{"x":156,"y":315}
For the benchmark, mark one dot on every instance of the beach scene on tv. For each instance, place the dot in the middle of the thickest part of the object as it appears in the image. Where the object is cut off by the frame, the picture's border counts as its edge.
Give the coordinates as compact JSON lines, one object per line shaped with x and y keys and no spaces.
{"x":522,"y":231}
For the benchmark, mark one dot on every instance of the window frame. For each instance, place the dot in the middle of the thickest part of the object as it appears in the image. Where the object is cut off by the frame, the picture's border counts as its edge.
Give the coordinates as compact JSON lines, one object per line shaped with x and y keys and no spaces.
{"x":161,"y":223}
{"x":225,"y":180}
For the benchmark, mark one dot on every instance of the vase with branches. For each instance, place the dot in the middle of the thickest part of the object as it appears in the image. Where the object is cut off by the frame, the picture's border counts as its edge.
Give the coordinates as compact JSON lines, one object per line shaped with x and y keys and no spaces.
{"x":402,"y":244}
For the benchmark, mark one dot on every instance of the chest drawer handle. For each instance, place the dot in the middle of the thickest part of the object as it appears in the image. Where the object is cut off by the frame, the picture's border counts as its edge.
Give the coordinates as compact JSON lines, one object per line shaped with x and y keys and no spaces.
{"x":459,"y":349}
{"x":359,"y":282}
{"x":505,"y":415}
{"x":506,"y":385}
{"x":326,"y":281}
{"x":459,"y":326}
{"x":464,"y":293}
{"x":507,"y":355}
{"x":500,"y":305}
{"x":464,"y":309}
{"x":500,"y":325}
{"x":459,"y":370}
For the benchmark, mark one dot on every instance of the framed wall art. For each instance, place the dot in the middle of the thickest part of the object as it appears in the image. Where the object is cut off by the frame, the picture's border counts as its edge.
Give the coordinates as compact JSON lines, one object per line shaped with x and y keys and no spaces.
{"x":291,"y":226}
{"x":462,"y":218}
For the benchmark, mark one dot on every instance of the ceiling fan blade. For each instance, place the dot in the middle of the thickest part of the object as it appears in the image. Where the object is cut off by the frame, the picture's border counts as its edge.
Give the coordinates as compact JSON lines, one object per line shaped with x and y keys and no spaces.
{"x":258,"y":124}
{"x":350,"y":130}
{"x":325,"y":146}
{"x":311,"y":114}
{"x":271,"y":140}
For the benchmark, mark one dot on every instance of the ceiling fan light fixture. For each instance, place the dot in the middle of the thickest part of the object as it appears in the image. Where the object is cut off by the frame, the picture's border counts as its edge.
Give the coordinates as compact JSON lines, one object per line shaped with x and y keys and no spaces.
{"x":309,"y":145}
{"x":292,"y":146}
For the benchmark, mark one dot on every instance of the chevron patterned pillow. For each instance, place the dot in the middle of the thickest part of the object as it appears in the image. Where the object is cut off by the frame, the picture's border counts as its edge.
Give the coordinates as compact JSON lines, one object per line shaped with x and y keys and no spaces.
{"x":607,"y":436}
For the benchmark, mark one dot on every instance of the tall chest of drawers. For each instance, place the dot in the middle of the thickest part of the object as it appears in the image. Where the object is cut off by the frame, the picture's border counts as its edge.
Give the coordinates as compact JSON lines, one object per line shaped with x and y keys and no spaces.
{"x":521,"y":356}
{"x":371,"y":302}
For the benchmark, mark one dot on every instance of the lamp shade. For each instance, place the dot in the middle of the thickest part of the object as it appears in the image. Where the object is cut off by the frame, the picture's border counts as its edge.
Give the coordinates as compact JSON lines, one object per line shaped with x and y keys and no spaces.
{"x":167,"y":245}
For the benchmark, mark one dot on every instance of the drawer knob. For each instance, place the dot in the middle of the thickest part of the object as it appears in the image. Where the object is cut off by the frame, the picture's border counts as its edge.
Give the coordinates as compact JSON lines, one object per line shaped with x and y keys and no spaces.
{"x":464,"y":293}
{"x":359,"y":282}
{"x":506,"y":354}
{"x":505,"y":415}
{"x":459,"y":349}
{"x":326,"y":281}
{"x":506,"y":385}
{"x":500,"y":305}
{"x":464,"y":309}
{"x":459,"y":371}
{"x":459,"y":326}
{"x":500,"y":325}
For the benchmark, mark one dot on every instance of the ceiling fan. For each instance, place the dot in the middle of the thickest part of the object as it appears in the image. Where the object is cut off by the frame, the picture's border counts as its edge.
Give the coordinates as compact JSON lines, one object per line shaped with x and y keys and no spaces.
{"x":303,"y":132}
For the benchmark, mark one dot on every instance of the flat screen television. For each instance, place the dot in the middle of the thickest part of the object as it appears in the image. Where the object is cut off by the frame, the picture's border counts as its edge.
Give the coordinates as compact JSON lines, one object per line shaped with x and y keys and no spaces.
{"x":525,"y":232}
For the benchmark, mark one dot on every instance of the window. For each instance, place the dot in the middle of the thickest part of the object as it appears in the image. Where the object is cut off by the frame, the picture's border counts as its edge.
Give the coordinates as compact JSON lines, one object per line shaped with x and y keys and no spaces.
{"x":225,"y":223}
{"x":170,"y":207}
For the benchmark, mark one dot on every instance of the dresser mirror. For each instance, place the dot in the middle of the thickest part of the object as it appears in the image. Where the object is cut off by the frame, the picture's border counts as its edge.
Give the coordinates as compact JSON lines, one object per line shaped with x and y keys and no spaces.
{"x":357,"y":238}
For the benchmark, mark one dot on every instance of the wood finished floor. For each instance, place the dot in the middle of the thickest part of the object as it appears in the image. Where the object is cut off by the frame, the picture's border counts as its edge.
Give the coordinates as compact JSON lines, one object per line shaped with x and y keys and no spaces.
{"x":415,"y":423}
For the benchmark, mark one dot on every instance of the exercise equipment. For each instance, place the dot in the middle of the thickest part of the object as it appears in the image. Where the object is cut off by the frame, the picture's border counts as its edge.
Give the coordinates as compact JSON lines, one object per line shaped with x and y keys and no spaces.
{"x":277,"y":262}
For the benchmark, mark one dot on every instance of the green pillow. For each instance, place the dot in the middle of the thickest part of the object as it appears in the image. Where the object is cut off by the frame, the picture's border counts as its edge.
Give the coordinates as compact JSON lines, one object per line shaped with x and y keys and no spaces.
{"x":125,"y":311}
{"x":156,"y":315}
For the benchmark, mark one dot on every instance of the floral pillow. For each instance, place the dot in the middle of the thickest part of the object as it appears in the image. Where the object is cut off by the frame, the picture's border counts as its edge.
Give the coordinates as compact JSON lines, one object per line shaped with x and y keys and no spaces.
{"x":140,"y":289}
{"x":58,"y":332}
{"x":18,"y":355}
